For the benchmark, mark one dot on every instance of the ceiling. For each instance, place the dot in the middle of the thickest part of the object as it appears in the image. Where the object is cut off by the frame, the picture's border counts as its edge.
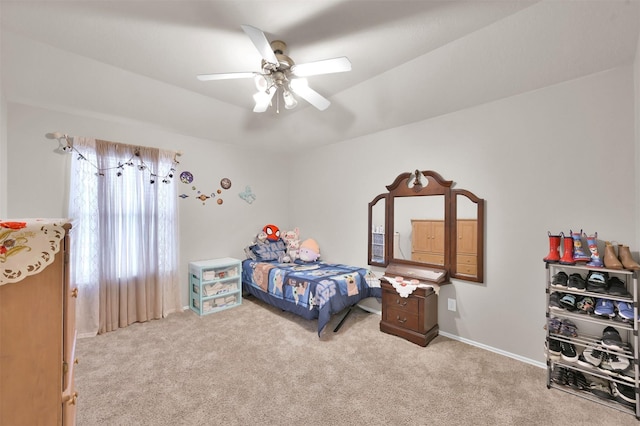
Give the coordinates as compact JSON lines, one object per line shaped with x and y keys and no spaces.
{"x":411,"y":60}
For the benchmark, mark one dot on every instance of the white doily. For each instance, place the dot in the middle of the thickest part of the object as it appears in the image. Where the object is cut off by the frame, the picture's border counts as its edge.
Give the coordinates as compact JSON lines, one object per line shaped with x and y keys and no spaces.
{"x":405,"y":288}
{"x":27,"y":246}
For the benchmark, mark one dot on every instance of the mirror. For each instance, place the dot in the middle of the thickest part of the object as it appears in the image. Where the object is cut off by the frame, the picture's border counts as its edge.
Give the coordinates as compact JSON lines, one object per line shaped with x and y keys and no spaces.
{"x":377,"y":226}
{"x":418,"y":229}
{"x":427,"y":224}
{"x":468,"y":241}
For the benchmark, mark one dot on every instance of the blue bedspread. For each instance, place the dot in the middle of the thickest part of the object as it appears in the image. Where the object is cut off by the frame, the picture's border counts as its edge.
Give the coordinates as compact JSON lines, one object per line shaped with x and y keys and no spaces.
{"x":311,"y":290}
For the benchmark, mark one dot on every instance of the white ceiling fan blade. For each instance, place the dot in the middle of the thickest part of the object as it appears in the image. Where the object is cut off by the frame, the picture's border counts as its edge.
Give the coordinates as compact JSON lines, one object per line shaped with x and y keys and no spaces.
{"x":326,"y":66}
{"x":261,"y":43}
{"x":302,"y":89}
{"x":263,"y":100}
{"x":226,"y":76}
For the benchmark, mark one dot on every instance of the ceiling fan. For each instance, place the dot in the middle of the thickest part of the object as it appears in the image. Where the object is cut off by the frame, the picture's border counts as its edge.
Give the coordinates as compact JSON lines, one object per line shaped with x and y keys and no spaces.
{"x":281,"y":75}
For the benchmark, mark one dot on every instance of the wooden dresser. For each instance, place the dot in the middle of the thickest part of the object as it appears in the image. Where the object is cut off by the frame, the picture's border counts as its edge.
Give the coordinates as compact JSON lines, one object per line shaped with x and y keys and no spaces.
{"x":427,"y":241}
{"x":415,"y":317}
{"x":37,"y":345}
{"x":467,"y":247}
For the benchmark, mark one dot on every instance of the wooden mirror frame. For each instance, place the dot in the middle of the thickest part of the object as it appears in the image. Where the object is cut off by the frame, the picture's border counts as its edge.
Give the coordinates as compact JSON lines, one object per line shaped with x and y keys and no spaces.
{"x":436,"y":185}
{"x":479,"y":202}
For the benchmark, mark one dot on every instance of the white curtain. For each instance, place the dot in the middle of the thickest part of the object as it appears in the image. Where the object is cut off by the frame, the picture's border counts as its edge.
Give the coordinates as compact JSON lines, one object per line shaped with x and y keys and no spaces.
{"x":124,"y":244}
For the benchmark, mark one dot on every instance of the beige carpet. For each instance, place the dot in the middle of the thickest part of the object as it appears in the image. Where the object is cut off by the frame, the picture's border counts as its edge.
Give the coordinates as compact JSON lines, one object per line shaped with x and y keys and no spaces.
{"x":257,"y":365}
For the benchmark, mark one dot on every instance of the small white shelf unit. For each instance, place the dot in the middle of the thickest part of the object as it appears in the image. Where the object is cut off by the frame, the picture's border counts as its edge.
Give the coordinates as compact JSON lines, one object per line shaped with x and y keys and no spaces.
{"x":215,"y":285}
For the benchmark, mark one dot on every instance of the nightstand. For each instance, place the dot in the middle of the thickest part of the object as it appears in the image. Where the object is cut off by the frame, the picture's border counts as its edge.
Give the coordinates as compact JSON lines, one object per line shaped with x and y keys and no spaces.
{"x":414,"y":318}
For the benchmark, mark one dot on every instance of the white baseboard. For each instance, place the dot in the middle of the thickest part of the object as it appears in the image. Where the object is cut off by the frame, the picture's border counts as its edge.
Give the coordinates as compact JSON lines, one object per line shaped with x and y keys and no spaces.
{"x":492,"y":349}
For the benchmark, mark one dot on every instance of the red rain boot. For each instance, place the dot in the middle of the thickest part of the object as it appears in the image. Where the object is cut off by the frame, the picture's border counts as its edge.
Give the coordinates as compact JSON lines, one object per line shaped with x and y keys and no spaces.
{"x":567,"y":257}
{"x":554,"y":244}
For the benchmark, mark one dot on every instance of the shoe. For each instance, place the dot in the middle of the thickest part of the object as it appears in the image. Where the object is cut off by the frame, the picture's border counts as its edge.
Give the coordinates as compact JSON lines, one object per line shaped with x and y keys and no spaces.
{"x":554,"y":245}
{"x":628,"y":374}
{"x":611,"y":339}
{"x":623,"y":393}
{"x":568,"y":328}
{"x":560,"y":279}
{"x":553,"y":349}
{"x":585,"y":305}
{"x":554,"y":301}
{"x":625,"y":310}
{"x":593,"y":354}
{"x":568,"y":301}
{"x":576,"y":283}
{"x":577,"y":380}
{"x":600,"y":387}
{"x":611,"y":261}
{"x":627,"y":260}
{"x":597,"y":281}
{"x":553,"y":325}
{"x":559,"y":375}
{"x":568,"y":352}
{"x":617,"y":288}
{"x":605,"y":308}
{"x":582,"y":361}
{"x":612,"y":364}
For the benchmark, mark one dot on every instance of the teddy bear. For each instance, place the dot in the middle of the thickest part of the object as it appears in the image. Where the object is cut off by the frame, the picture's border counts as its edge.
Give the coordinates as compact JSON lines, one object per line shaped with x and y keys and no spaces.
{"x":292,"y":241}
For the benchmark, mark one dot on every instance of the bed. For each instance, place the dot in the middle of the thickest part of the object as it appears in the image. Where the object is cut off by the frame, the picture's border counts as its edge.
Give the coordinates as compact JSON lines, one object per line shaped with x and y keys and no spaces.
{"x":315,"y":290}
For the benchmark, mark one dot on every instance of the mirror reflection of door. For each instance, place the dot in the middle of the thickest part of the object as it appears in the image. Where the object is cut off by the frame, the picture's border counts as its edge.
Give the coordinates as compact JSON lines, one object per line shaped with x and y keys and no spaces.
{"x":419,"y":231}
{"x":466,"y":236}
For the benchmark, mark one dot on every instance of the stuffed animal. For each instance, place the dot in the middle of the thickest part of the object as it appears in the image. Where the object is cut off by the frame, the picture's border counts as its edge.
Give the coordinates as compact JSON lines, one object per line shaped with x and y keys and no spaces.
{"x":260,"y":239}
{"x":292,"y":240}
{"x":272,"y":231}
{"x":309,"y":250}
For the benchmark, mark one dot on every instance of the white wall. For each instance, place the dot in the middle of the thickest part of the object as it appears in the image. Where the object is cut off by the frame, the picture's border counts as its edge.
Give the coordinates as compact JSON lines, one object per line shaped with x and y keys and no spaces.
{"x":37,"y":179}
{"x":555,"y":159}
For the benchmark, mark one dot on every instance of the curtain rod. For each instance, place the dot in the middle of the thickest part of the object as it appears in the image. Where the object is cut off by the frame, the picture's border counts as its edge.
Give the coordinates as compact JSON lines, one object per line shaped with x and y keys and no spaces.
{"x":69,"y":139}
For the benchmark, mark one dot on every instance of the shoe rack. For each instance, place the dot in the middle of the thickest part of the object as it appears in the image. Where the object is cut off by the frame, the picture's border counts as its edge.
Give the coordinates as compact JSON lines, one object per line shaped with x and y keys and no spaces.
{"x":589,"y":335}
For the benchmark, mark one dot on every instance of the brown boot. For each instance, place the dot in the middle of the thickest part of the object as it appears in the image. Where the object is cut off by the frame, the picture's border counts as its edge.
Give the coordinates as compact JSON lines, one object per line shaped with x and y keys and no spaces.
{"x":626,"y":258}
{"x":611,"y":261}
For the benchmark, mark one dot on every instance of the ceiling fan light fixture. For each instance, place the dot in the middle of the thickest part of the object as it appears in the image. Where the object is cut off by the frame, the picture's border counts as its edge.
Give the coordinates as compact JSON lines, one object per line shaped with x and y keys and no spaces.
{"x":261,"y":82}
{"x":289,"y":100}
{"x":263,"y":100}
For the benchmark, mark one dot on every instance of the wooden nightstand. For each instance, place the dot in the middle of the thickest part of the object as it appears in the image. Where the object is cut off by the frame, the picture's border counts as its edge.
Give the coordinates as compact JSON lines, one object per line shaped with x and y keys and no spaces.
{"x":414,"y":318}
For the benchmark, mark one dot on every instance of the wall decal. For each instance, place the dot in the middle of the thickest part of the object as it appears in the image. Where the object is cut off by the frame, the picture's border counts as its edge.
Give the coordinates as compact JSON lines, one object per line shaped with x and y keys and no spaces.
{"x":225,"y":183}
{"x":247,"y":195}
{"x":186,"y":177}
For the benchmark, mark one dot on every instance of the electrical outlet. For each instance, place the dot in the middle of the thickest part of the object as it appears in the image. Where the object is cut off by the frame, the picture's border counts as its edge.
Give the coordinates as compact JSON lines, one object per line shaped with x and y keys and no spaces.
{"x":452,"y":304}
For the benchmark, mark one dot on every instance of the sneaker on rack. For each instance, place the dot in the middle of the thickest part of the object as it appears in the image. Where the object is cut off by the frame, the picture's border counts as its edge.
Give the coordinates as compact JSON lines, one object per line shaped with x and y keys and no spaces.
{"x":625,"y":310}
{"x":612,"y":364}
{"x":600,"y":387}
{"x":582,"y":361}
{"x":560,"y":279}
{"x":617,"y":288}
{"x":605,"y":308}
{"x":628,"y":374}
{"x":559,"y":375}
{"x":568,"y":352}
{"x":611,"y":339}
{"x":576,"y":283}
{"x":577,"y":380}
{"x":593,"y":354}
{"x":597,"y":281}
{"x":623,"y":393}
{"x":568,"y":301}
{"x":554,"y":301}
